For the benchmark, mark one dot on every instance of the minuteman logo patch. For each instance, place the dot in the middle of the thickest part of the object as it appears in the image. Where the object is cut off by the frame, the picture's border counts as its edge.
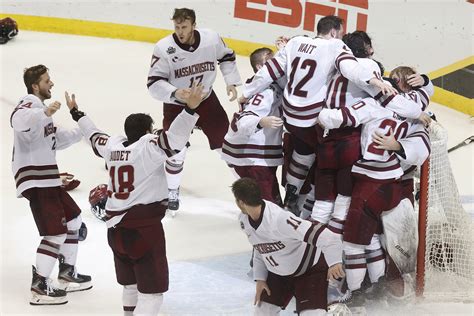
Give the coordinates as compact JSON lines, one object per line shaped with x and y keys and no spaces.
{"x":171,"y":50}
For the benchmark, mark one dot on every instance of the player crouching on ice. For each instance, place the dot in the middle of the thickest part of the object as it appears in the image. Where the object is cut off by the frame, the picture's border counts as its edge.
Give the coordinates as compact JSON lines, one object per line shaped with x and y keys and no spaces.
{"x":293,"y":257}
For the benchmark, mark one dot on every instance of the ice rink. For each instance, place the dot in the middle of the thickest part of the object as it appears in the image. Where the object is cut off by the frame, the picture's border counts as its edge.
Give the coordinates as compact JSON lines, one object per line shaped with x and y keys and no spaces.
{"x":207,"y":252}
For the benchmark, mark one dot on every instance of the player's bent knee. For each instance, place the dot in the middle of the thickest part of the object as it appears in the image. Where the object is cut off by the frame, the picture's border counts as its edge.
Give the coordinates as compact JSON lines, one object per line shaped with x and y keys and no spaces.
{"x":75,"y":223}
{"x":57,"y":239}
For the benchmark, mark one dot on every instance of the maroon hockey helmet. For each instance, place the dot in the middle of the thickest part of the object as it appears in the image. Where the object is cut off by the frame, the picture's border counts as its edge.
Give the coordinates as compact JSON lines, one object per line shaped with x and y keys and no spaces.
{"x":97,"y":199}
{"x":8,"y":29}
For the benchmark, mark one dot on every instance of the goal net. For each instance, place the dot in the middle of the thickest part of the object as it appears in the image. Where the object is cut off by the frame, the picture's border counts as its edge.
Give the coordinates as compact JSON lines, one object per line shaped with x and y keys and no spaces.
{"x":446,"y":264}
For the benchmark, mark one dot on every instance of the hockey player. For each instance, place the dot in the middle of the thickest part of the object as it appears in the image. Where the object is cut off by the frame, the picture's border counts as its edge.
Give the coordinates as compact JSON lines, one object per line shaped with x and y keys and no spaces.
{"x":376,"y":187}
{"x":191,"y":55}
{"x":253,"y":144}
{"x":293,"y":257}
{"x":309,"y":63}
{"x":34,"y":166}
{"x":138,"y":198}
{"x":338,"y":149}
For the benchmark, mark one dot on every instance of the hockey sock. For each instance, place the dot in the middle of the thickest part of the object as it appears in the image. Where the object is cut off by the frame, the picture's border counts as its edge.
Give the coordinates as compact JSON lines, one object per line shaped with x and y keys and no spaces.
{"x":322,"y":211}
{"x":355,"y":264}
{"x":298,"y":169}
{"x":70,"y":246}
{"x":306,"y":204}
{"x":174,"y":169}
{"x":129,"y":299}
{"x":47,"y":253}
{"x":375,"y":259}
{"x":148,"y":304}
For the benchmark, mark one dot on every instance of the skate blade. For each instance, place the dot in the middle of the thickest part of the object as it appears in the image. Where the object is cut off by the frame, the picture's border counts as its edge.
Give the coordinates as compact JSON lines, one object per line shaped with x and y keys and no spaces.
{"x":47,"y":300}
{"x":74,"y":287}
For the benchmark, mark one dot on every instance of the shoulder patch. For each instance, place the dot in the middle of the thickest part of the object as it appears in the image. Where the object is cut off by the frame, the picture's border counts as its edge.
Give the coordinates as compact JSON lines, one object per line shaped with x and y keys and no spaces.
{"x":171,"y":50}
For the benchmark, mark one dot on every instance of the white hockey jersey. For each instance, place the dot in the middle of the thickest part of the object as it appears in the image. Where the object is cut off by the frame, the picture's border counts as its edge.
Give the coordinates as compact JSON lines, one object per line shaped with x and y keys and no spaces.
{"x":175,"y":65}
{"x":247,"y":145}
{"x":288,"y":245}
{"x":136,"y":171}
{"x":342,"y":93}
{"x":309,"y":64}
{"x":36,"y":139}
{"x":376,"y":163}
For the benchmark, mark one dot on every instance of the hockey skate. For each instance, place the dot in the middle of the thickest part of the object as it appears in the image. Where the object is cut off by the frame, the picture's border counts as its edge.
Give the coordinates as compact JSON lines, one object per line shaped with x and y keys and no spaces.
{"x":173,"y":201}
{"x":377,"y":291}
{"x":71,"y":281}
{"x":338,"y":309}
{"x":355,"y":301}
{"x":43,"y":293}
{"x":291,"y":199}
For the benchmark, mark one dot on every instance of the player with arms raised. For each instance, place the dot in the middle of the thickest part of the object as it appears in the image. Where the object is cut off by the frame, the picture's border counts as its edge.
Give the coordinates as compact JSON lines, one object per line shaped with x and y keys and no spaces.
{"x":138,"y":198}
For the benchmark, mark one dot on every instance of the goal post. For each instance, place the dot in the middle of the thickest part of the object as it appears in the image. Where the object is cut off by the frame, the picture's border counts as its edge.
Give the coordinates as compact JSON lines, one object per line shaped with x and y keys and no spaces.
{"x":445,"y":257}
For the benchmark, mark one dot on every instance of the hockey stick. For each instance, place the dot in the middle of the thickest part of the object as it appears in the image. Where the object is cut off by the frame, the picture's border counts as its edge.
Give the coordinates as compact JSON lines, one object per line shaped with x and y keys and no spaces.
{"x":465,"y":142}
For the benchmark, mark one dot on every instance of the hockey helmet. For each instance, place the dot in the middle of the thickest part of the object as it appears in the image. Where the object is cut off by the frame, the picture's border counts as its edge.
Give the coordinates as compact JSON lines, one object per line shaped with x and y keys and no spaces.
{"x":8,"y":29}
{"x":97,"y":199}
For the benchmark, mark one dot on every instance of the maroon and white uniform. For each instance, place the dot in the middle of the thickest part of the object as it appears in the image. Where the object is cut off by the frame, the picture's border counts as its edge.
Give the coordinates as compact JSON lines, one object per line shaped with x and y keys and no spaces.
{"x":377,"y":167}
{"x":339,"y":148}
{"x":256,"y":152}
{"x":376,"y":164}
{"x":36,"y":139}
{"x":246,"y":143}
{"x":175,"y":65}
{"x":288,"y":246}
{"x":308,"y":63}
{"x":137,"y":200}
{"x":137,"y":170}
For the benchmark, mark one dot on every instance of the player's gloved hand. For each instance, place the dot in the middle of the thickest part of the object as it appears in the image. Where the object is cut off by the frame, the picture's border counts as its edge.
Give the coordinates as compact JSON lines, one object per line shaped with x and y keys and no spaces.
{"x":68,"y":181}
{"x":231,"y":90}
{"x":336,"y":272}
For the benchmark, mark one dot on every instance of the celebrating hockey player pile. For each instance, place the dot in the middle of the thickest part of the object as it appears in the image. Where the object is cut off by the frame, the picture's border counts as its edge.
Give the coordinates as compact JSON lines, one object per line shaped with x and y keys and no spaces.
{"x":348,"y":140}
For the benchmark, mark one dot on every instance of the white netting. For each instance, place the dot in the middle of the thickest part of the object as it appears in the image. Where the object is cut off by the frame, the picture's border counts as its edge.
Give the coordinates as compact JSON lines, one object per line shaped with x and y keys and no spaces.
{"x":449,"y":257}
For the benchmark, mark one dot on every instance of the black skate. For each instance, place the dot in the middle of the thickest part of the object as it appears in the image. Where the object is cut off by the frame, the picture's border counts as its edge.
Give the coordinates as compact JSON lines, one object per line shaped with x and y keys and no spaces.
{"x":43,"y":293}
{"x":377,"y":291}
{"x":71,"y":281}
{"x":291,"y":199}
{"x":173,"y":201}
